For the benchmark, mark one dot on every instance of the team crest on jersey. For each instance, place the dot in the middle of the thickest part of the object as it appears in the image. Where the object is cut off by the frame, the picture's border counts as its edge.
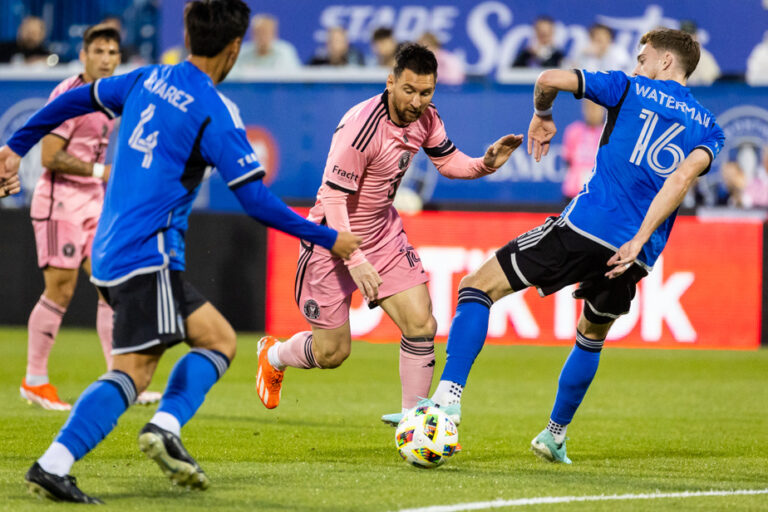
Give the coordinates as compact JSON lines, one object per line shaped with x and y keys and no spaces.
{"x":405,"y":160}
{"x":311,"y":309}
{"x":68,"y":250}
{"x":746,"y":132}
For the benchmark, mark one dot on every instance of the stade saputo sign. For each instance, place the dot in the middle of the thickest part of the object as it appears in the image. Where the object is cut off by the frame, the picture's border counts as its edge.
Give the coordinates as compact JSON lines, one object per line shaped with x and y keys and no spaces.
{"x":491,"y":30}
{"x":689,"y":300}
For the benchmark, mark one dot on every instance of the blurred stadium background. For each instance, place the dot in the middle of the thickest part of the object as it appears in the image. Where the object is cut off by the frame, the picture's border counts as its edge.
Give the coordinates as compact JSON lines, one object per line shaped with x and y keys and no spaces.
{"x":709,"y":291}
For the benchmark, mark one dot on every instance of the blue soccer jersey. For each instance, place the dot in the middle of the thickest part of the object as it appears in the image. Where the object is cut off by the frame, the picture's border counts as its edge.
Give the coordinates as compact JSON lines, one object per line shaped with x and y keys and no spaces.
{"x":652,"y":125}
{"x":175,"y":125}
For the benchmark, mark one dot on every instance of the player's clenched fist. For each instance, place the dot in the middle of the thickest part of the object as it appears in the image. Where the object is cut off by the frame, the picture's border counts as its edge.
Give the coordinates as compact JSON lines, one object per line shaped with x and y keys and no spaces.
{"x":9,"y":162}
{"x":367,"y":280}
{"x":10,"y":186}
{"x":346,"y":243}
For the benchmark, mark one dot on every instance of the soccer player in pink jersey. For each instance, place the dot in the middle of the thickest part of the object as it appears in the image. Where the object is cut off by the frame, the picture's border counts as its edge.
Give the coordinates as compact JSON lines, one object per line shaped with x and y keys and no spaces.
{"x":65,"y":210}
{"x":371,"y":150}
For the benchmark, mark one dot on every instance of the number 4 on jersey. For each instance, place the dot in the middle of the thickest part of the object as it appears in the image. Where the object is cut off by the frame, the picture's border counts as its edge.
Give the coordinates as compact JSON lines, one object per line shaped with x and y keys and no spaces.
{"x":144,"y":144}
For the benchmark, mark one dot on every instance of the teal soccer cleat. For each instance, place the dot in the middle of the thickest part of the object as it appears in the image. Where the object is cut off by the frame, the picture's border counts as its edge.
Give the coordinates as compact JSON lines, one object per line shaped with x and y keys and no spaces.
{"x":545,"y":447}
{"x":453,"y":411}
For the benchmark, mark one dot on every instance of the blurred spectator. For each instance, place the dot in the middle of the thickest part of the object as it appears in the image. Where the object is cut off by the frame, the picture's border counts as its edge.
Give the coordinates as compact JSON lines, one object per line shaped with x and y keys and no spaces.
{"x":450,"y":68}
{"x":580,"y":144}
{"x":601,"y":54}
{"x":541,"y":50}
{"x":707,"y":70}
{"x":337,"y":51}
{"x":383,"y":46}
{"x":747,"y":178}
{"x":29,"y":46}
{"x":265,"y":50}
{"x":757,"y":63}
{"x":128,"y":52}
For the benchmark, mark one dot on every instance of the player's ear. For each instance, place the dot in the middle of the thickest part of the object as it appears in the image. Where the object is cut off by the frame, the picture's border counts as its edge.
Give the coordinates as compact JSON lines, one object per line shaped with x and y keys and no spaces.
{"x":187,"y":45}
{"x":390,"y":82}
{"x":82,"y":55}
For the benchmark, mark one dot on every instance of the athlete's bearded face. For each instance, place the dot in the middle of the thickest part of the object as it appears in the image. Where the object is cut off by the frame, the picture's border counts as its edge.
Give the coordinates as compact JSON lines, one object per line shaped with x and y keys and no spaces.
{"x":409,"y":95}
{"x":100,"y":58}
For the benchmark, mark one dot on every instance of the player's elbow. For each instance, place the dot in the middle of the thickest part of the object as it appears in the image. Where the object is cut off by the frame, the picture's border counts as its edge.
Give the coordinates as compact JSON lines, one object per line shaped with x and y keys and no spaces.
{"x":547,"y":79}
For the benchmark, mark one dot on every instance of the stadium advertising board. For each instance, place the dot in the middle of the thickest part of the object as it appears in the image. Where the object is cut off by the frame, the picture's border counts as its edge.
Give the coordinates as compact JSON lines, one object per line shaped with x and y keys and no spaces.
{"x":290,"y":127}
{"x":489,"y":33}
{"x":704,"y":292}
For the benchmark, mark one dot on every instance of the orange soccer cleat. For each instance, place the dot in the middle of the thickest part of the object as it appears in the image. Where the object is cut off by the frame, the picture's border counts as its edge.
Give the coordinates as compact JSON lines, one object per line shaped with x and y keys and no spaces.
{"x":268,"y":379}
{"x":44,"y":395}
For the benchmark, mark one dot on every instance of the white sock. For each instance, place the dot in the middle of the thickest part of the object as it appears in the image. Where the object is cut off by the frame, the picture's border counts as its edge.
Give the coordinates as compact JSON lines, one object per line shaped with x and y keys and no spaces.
{"x":57,"y":459}
{"x":274,"y":359}
{"x":36,"y":380}
{"x":447,"y":393}
{"x":557,"y":430}
{"x":167,"y":421}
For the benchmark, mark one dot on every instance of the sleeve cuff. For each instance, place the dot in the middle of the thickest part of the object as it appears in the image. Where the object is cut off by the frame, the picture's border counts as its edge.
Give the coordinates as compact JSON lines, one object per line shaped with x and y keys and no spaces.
{"x":580,"y":89}
{"x":335,"y":186}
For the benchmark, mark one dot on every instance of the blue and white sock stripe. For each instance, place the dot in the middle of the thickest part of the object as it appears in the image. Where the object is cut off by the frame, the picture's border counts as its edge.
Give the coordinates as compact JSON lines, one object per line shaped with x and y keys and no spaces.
{"x":421,"y":346}
{"x":124,"y":383}
{"x":589,"y":344}
{"x":219,"y":360}
{"x":474,"y":295}
{"x":308,"y":352}
{"x":166,"y":308}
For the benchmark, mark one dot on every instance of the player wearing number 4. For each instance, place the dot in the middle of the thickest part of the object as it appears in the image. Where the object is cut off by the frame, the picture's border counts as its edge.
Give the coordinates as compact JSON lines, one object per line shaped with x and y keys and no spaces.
{"x":656,"y":141}
{"x":175,"y":125}
{"x":65,"y":211}
{"x":371,"y":150}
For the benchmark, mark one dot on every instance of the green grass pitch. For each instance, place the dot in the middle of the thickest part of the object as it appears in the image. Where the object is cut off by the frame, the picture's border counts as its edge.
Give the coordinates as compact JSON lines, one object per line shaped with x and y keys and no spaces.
{"x":654,"y":421}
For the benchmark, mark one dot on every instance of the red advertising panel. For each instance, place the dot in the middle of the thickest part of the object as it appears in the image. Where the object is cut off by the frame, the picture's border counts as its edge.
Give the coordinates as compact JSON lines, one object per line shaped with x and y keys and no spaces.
{"x":704,"y":292}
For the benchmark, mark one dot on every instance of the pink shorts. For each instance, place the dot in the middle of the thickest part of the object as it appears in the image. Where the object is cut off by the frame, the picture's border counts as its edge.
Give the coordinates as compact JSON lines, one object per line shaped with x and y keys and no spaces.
{"x":324,"y":287}
{"x":65,"y":215}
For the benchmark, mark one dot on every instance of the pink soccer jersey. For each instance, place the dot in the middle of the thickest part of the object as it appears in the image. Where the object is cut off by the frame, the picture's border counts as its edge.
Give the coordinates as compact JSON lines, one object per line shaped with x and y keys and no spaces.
{"x":368,"y":157}
{"x":65,"y":208}
{"x":88,"y":135}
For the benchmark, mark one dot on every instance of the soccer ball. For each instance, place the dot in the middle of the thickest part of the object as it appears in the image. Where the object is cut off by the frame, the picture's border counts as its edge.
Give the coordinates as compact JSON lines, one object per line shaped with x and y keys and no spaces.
{"x":426,"y":437}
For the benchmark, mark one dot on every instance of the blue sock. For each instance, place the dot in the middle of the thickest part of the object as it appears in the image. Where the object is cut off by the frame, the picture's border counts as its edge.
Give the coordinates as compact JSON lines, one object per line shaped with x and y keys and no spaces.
{"x":467,"y":334}
{"x":190,"y":380}
{"x":96,"y":412}
{"x":575,"y":378}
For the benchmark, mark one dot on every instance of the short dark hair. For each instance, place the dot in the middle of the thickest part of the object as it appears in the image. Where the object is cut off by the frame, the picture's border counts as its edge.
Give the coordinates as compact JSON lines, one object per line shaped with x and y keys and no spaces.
{"x":382,"y":33}
{"x":677,"y":42}
{"x":417,"y":58}
{"x":212,"y":24}
{"x":100,"y":31}
{"x":599,"y":26}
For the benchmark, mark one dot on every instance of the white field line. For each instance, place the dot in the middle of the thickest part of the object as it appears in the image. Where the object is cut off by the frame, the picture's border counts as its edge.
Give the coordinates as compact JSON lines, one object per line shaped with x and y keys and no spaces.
{"x":482,"y":505}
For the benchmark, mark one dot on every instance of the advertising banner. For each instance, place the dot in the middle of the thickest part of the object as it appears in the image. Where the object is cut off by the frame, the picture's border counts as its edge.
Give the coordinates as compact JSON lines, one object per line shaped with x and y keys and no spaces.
{"x":704,"y":292}
{"x":488,"y":34}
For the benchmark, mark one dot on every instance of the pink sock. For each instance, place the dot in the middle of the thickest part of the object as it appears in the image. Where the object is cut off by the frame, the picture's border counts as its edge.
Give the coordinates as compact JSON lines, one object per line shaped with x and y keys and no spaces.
{"x":44,"y":323}
{"x":417,"y":363}
{"x":104,"y":315}
{"x":297,"y":351}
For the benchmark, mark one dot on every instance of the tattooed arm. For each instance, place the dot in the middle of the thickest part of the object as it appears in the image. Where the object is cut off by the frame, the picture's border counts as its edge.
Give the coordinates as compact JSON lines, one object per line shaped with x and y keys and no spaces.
{"x":542,"y":127}
{"x":56,"y":159}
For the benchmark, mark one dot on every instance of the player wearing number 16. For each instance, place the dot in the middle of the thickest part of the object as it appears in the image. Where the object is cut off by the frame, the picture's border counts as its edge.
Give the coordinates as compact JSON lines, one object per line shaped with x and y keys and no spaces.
{"x":175,"y":124}
{"x":371,"y":150}
{"x":656,"y":141}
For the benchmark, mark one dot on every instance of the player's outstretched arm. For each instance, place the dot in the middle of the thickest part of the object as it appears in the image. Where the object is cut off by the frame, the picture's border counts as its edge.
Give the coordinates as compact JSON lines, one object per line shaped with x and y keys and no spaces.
{"x":542,"y":128}
{"x":267,"y":208}
{"x":73,"y":103}
{"x":667,"y":200}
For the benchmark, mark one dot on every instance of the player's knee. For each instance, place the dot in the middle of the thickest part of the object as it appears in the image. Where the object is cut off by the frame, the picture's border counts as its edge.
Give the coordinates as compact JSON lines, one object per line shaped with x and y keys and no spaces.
{"x":60,"y":292}
{"x":471,"y":281}
{"x":423,"y":325}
